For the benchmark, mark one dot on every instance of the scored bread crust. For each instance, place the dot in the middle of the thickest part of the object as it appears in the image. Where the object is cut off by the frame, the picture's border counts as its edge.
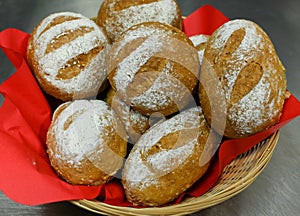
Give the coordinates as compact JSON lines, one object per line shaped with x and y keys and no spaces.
{"x":116,"y":16}
{"x":85,"y":143}
{"x":242,"y":81}
{"x":168,"y":159}
{"x":154,"y":67}
{"x":67,"y":53}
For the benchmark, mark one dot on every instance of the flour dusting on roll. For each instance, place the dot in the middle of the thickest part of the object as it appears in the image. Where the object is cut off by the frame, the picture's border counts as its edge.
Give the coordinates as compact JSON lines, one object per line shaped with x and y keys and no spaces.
{"x":85,"y":142}
{"x":154,"y":67}
{"x":249,"y":77}
{"x":116,"y":16}
{"x":168,"y":159}
{"x":67,"y":52}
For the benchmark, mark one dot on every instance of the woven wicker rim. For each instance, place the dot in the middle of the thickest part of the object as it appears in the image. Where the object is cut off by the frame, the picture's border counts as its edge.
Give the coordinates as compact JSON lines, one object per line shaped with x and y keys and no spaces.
{"x":236,"y":177}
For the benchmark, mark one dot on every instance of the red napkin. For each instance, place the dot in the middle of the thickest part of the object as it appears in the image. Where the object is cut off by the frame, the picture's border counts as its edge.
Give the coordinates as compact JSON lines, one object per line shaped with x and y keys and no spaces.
{"x":25,"y":173}
{"x":205,"y":20}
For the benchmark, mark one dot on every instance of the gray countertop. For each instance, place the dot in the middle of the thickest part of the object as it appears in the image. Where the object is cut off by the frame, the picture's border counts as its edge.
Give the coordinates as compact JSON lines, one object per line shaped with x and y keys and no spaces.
{"x":276,"y":190}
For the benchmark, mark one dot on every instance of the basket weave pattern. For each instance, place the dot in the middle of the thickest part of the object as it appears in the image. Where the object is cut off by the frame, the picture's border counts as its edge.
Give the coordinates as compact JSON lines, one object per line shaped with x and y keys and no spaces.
{"x":236,"y":177}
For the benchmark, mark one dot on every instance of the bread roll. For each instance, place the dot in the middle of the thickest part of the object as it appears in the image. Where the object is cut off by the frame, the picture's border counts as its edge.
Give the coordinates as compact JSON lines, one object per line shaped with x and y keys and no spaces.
{"x":169,"y":158}
{"x":67,"y":53}
{"x":243,"y":83}
{"x":85,"y":142}
{"x":116,"y":16}
{"x":154,"y":67}
{"x":134,"y":122}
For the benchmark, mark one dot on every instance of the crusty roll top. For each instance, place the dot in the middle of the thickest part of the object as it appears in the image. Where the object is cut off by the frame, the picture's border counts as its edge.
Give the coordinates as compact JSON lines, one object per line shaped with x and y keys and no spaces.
{"x":67,"y":52}
{"x":116,"y":16}
{"x":251,"y":78}
{"x":168,"y":159}
{"x":85,"y":142}
{"x":154,"y":67}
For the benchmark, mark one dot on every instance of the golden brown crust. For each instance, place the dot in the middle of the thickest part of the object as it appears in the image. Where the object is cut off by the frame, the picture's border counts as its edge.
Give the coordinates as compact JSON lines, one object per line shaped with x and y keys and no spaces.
{"x":116,"y":16}
{"x":168,"y":159}
{"x":154,"y":67}
{"x":83,"y":143}
{"x":243,"y":82}
{"x":134,"y":122}
{"x":67,"y":54}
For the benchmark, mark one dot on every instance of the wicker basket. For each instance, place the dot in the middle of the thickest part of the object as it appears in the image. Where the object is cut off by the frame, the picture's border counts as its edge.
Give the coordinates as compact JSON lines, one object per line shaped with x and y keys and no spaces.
{"x":236,"y":176}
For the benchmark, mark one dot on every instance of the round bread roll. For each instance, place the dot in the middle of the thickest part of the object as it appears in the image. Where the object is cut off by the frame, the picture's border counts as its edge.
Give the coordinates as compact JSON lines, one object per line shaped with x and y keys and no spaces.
{"x":154,"y":67}
{"x":84,"y":143}
{"x":169,"y":158}
{"x":67,"y":53}
{"x":116,"y":16}
{"x":243,"y":83}
{"x":135,"y":123}
{"x":199,"y":42}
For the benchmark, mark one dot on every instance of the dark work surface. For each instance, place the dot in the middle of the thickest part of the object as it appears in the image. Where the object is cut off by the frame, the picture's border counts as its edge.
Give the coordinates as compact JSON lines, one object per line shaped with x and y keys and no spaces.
{"x":276,"y":190}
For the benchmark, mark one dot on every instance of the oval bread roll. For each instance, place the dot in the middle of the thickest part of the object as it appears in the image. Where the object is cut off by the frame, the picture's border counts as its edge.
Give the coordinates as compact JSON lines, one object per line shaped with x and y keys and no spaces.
{"x":168,"y":159}
{"x":67,"y":53}
{"x":84,"y":143}
{"x":154,"y":67}
{"x":243,"y":83}
{"x":116,"y":16}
